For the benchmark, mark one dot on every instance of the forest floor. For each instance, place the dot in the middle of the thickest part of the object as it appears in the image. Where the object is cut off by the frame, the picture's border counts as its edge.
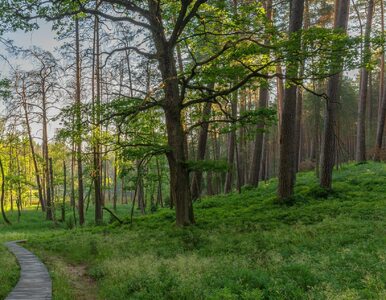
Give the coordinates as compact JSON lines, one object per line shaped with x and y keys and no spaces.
{"x":244,"y":246}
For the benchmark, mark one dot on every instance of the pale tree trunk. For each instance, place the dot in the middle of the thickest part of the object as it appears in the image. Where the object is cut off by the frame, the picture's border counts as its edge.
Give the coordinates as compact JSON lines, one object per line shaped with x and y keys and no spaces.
{"x":288,"y":126}
{"x":364,"y":78}
{"x":342,"y":8}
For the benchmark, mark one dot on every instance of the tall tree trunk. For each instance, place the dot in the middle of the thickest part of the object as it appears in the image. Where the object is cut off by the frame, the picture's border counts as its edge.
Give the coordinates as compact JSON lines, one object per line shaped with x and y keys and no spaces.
{"x":179,"y":175}
{"x":115,"y":196}
{"x":288,"y":126}
{"x":231,"y":149}
{"x":52,"y":188}
{"x":64,"y":191}
{"x":364,"y":78}
{"x":254,"y":171}
{"x":342,"y":8}
{"x":18,"y":199}
{"x":316,"y":133}
{"x":79,"y":126}
{"x":299,"y":97}
{"x":172,"y":106}
{"x":159,"y":184}
{"x":49,"y":212}
{"x":201,"y":150}
{"x":96,"y":116}
{"x":381,"y":95}
{"x":140,"y":189}
{"x":280,"y":94}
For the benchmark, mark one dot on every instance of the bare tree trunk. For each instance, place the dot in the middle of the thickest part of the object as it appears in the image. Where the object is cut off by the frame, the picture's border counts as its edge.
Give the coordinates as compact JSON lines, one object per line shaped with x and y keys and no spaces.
{"x":299,"y":97}
{"x":115,"y":196}
{"x":159,"y":185}
{"x":2,"y":194}
{"x":254,"y":171}
{"x":52,"y":189}
{"x":64,"y":191}
{"x":316,"y":135}
{"x":49,"y":212}
{"x":139,"y":186}
{"x":72,"y":193}
{"x":288,"y":126}
{"x":231,"y":149}
{"x":18,"y":199}
{"x":382,"y":96}
{"x":96,"y":115}
{"x":342,"y":8}
{"x":201,"y":150}
{"x":33,"y":154}
{"x":79,"y":126}
{"x":361,"y":122}
{"x":259,"y":138}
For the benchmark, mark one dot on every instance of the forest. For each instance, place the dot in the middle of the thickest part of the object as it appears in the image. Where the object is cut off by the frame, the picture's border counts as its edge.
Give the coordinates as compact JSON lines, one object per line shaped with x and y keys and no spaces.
{"x":192,"y":149}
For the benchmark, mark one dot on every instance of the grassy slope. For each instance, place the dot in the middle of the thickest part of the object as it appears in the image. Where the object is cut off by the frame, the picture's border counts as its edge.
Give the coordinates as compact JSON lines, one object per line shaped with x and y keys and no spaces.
{"x":243,"y":246}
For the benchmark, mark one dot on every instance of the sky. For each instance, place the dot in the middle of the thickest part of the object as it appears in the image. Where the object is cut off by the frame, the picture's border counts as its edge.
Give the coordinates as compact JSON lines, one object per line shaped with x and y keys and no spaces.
{"x":44,"y":38}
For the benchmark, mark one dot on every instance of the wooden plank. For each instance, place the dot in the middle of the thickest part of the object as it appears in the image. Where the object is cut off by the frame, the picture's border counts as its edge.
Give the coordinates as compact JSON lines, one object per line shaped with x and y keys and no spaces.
{"x":35,"y":282}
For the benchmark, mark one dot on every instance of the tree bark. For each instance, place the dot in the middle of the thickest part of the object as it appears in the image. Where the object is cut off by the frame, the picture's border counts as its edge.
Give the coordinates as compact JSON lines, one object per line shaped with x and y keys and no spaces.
{"x":254,"y":171}
{"x":79,"y":126}
{"x":361,"y":122}
{"x":49,"y":212}
{"x":2,"y":194}
{"x":231,"y":149}
{"x":342,"y":8}
{"x":288,"y":129}
{"x":64,"y":191}
{"x":96,"y":115}
{"x":382,"y":96}
{"x":201,"y":150}
{"x":179,"y":173}
{"x":257,"y":155}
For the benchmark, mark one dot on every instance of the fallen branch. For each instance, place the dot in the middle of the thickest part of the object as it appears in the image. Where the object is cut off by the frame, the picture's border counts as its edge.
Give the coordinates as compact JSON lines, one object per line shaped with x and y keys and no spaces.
{"x":113,"y":215}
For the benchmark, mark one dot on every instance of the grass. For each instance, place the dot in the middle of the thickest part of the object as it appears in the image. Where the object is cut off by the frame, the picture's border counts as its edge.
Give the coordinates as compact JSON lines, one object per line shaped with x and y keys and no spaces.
{"x":244,"y":246}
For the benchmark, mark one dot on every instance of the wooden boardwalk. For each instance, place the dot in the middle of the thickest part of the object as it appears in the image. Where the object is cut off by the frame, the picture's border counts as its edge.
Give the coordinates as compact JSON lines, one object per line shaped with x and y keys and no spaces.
{"x":35,"y":282}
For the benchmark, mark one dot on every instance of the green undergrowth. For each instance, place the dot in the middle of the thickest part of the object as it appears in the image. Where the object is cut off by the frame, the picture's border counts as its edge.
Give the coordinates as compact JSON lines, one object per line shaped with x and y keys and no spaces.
{"x":326,"y":245}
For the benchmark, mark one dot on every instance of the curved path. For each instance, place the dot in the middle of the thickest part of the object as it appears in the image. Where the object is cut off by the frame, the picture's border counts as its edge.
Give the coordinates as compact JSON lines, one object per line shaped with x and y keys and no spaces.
{"x":35,"y":282}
